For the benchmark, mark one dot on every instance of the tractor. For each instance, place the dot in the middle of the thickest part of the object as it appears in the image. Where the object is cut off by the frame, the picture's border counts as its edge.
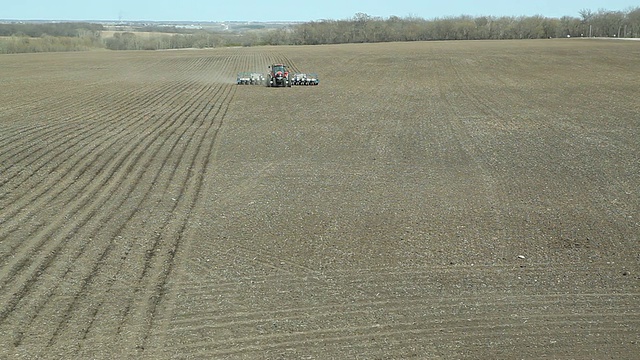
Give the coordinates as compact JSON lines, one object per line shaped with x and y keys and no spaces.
{"x":278,"y":76}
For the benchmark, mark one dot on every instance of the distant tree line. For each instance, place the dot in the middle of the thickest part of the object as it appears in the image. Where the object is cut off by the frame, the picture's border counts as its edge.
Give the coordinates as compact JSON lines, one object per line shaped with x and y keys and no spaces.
{"x":36,"y":37}
{"x":364,"y":28}
{"x":165,"y":29}
{"x":200,"y":39}
{"x":64,"y":29}
{"x":47,"y":43}
{"x":49,"y":37}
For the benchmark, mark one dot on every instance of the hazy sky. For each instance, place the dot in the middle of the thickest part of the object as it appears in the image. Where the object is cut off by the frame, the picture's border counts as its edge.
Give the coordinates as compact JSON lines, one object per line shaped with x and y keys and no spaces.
{"x":265,"y":10}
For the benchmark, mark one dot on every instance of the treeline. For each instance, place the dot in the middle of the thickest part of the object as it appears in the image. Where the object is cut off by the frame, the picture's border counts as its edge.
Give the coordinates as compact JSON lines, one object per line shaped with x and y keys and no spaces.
{"x":165,"y":29}
{"x":49,"y":37}
{"x":47,"y":43}
{"x":133,"y":41}
{"x":364,"y":28}
{"x":64,"y":29}
{"x":361,"y":28}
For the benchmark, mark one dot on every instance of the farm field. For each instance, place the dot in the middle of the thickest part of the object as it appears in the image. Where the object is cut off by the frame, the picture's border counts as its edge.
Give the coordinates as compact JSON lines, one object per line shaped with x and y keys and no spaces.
{"x":426,"y":200}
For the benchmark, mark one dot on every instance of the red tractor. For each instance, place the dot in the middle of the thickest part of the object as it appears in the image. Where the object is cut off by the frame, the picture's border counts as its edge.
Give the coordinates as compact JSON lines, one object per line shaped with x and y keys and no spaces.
{"x":278,"y":76}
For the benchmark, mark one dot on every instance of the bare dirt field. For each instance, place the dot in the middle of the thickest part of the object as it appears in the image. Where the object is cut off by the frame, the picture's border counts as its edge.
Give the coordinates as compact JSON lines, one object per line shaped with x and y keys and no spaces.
{"x":426,"y":200}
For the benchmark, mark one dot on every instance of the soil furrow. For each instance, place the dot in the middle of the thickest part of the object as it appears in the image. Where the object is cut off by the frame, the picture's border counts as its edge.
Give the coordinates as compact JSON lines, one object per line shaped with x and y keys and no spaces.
{"x":77,"y":166}
{"x":164,"y":253}
{"x":87,"y":130}
{"x":90,"y":202}
{"x":133,"y":188}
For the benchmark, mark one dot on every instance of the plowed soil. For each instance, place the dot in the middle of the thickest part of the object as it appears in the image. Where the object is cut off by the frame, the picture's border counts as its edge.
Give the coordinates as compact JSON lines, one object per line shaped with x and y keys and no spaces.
{"x":427,"y":200}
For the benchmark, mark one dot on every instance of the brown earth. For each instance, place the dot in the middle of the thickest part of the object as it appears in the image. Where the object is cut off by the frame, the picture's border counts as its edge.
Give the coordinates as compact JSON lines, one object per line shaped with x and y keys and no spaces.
{"x":427,"y":200}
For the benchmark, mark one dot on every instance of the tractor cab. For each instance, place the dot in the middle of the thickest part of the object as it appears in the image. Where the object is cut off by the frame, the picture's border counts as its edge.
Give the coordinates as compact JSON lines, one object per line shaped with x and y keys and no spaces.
{"x":278,"y":68}
{"x":279,"y":76}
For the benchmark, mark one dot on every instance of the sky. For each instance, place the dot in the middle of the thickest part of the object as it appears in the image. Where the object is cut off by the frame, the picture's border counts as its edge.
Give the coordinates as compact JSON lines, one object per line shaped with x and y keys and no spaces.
{"x":290,"y":10}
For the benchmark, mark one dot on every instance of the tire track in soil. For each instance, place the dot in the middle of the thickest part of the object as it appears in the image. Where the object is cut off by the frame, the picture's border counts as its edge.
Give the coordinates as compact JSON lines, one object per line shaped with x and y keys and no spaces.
{"x":397,"y":333}
{"x":435,"y":313}
{"x":600,"y":197}
{"x":468,"y":144}
{"x":486,"y":107}
{"x":269,"y":260}
{"x":121,"y":161}
{"x":257,"y":254}
{"x":401,"y":335}
{"x":395,"y":280}
{"x":397,"y":299}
